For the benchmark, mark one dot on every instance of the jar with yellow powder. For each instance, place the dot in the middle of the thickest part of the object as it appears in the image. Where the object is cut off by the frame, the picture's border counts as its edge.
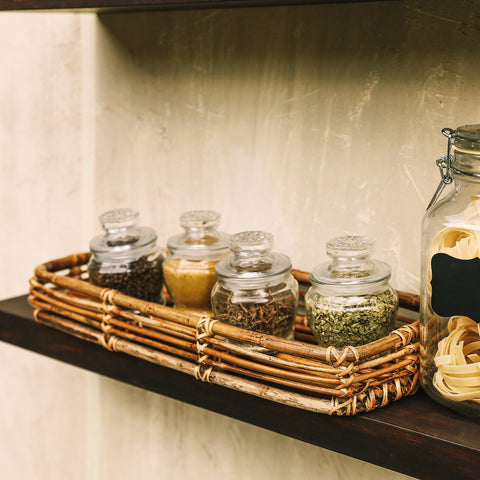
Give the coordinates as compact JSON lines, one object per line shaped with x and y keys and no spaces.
{"x":450,"y":281}
{"x":189,"y":270}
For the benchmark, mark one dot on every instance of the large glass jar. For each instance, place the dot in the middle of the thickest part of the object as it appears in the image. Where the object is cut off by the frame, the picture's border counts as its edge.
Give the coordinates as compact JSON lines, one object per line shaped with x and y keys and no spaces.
{"x":450,"y":280}
{"x":126,"y":256}
{"x":255,"y":288}
{"x":189,"y":269}
{"x":350,"y":301}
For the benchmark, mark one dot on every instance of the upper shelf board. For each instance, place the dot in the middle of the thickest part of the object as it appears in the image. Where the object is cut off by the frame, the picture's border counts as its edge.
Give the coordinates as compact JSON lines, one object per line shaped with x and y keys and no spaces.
{"x":119,"y":5}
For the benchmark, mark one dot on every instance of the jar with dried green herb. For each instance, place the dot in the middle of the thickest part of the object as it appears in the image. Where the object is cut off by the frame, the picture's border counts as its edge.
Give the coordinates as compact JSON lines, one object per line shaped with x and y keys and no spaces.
{"x":255,"y":288}
{"x":126,"y":257}
{"x":189,"y":269}
{"x":350,"y":301}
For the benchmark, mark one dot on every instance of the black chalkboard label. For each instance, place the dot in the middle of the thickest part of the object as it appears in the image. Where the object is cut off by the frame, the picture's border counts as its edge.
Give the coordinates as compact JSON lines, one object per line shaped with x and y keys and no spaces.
{"x":456,"y":286}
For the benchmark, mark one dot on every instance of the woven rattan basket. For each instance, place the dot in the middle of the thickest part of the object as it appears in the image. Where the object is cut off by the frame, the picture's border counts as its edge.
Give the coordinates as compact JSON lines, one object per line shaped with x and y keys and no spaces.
{"x":300,"y":374}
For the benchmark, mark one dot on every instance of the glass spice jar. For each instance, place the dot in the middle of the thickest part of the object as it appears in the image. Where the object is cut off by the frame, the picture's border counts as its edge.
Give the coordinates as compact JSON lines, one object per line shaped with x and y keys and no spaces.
{"x":449,"y":294}
{"x":126,"y":257}
{"x":189,"y":269}
{"x":255,"y":289}
{"x":350,"y":301}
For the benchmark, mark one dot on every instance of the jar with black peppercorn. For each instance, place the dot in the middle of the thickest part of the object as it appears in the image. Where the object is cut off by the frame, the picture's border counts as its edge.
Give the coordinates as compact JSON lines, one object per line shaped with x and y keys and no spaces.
{"x":350,"y":301}
{"x":189,"y":269}
{"x":126,"y":257}
{"x":256,"y":290}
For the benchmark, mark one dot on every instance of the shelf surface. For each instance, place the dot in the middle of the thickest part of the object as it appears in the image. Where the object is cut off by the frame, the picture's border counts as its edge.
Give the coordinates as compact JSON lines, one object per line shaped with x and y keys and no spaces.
{"x":119,"y":5}
{"x":414,"y":436}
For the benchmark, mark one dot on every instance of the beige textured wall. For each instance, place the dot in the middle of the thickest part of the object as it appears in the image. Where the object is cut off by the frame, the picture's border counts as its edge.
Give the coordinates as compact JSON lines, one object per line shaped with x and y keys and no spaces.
{"x":306,"y":121}
{"x":41,"y":437}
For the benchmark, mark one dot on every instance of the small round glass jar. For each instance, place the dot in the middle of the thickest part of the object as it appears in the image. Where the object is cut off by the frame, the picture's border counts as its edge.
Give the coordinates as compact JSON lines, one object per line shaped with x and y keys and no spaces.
{"x":126,"y":257}
{"x":189,"y":269}
{"x":255,"y":289}
{"x":350,"y":302}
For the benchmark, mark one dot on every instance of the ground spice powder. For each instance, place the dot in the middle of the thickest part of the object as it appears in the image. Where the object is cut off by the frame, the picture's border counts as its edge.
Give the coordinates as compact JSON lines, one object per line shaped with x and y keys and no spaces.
{"x":189,"y":283}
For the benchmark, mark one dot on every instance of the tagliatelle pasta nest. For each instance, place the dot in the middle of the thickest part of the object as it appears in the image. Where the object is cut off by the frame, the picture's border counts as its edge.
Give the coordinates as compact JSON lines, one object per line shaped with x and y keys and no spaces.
{"x":458,"y":357}
{"x":461,"y":238}
{"x":458,"y":361}
{"x":459,"y":243}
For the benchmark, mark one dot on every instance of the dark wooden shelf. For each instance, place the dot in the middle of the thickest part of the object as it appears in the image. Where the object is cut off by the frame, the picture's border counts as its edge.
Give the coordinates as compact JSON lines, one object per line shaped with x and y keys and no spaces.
{"x":414,"y":436}
{"x":128,"y":5}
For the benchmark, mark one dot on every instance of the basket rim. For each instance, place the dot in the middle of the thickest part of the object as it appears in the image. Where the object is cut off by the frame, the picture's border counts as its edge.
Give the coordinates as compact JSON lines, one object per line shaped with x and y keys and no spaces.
{"x":48,"y":273}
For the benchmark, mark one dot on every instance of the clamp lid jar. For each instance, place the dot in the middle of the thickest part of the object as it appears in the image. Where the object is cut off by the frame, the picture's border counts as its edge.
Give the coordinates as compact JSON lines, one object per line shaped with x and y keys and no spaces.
{"x":189,"y":269}
{"x":449,"y":300}
{"x":126,"y":256}
{"x":350,"y":302}
{"x":256,"y":290}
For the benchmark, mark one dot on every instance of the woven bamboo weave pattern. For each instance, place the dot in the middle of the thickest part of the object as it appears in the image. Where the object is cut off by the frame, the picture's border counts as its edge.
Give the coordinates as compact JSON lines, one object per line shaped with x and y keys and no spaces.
{"x":300,"y":373}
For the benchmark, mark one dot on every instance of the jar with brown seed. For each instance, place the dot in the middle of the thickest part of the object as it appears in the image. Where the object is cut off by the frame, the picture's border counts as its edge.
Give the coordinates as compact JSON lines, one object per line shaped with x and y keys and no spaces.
{"x":256,"y":290}
{"x":189,"y":269}
{"x":126,"y":257}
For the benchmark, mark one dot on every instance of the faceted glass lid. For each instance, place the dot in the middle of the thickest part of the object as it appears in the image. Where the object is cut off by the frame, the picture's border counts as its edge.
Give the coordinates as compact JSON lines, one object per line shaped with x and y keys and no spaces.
{"x":252,"y":258}
{"x":350,"y":263}
{"x":122,"y":235}
{"x":200,"y":237}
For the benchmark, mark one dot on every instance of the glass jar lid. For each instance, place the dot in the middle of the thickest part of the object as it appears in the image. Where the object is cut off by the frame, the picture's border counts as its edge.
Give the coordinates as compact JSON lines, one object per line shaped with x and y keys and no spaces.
{"x":201,"y":239}
{"x":123,"y":239}
{"x":252,"y":261}
{"x":350,"y":264}
{"x":467,"y":138}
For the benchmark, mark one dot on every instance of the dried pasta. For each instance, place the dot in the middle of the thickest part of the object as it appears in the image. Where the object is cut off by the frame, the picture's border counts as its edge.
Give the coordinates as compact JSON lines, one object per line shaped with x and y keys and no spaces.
{"x":458,"y":356}
{"x":460,"y":243}
{"x":458,"y":361}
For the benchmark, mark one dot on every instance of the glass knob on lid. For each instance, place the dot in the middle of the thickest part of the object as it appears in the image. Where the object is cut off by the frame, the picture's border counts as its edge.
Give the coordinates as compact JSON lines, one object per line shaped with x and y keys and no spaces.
{"x":200,"y":238}
{"x":251,"y":251}
{"x":350,"y":263}
{"x":252,"y":258}
{"x":121,"y":226}
{"x":200,"y":226}
{"x":350,"y":256}
{"x":123,"y":239}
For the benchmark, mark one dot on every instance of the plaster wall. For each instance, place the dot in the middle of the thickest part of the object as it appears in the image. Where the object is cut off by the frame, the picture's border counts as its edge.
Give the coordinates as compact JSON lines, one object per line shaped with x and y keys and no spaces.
{"x":41,"y":436}
{"x":306,"y":121}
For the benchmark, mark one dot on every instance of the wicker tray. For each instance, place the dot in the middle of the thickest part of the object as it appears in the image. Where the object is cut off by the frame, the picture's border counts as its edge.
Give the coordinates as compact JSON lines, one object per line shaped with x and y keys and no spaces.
{"x":300,"y":374}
